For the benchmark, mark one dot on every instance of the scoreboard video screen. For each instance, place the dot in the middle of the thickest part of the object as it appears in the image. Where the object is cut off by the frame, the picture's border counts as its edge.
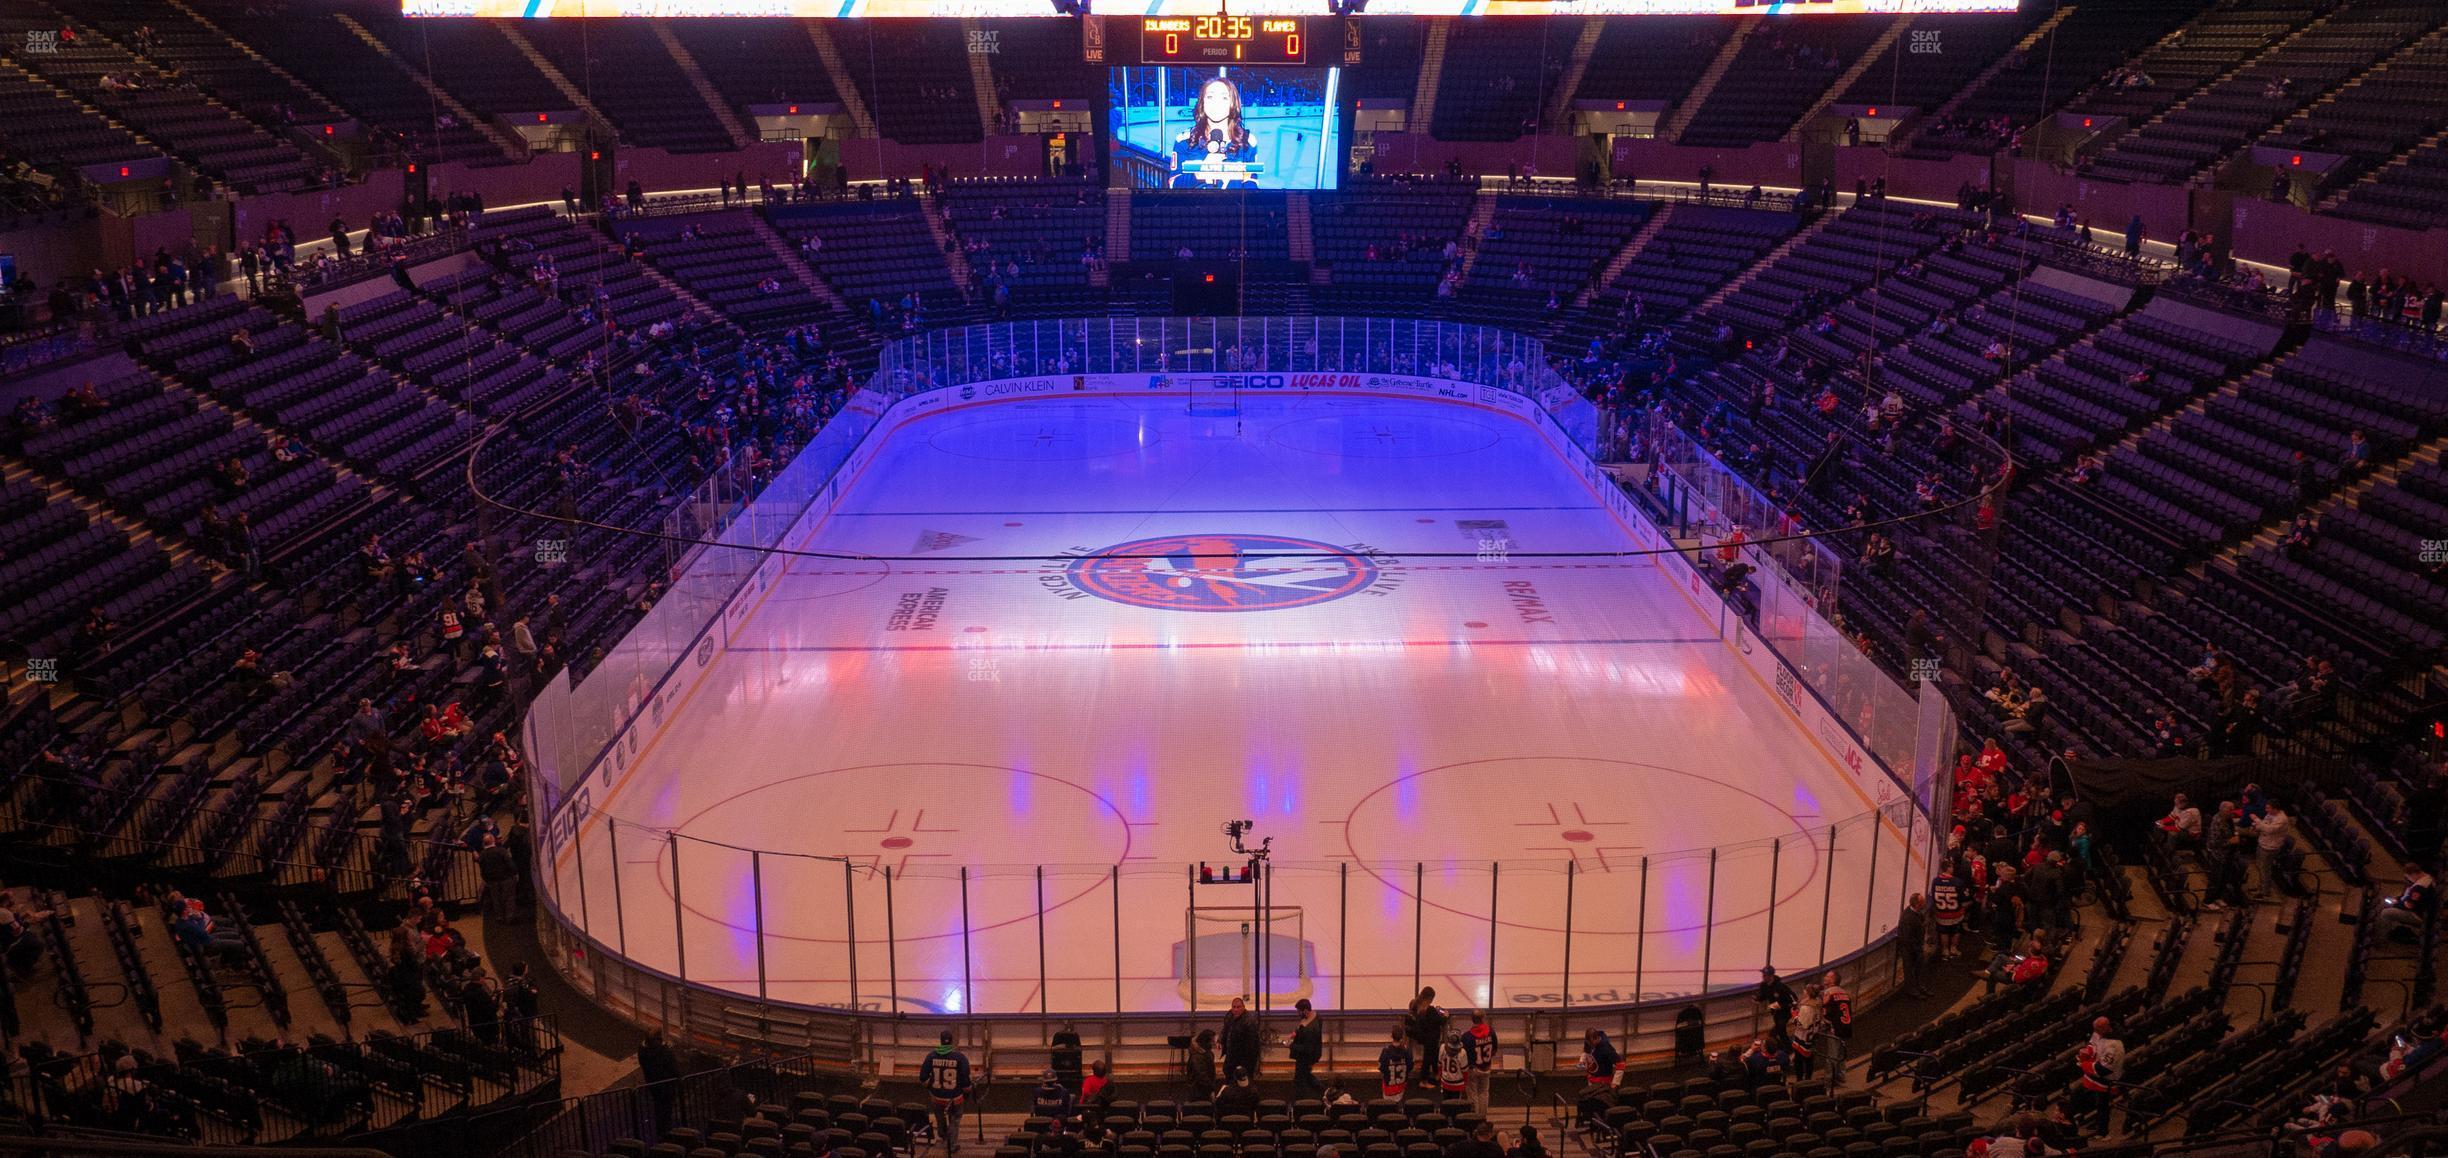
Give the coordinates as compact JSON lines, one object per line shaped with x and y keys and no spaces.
{"x":1193,"y":10}
{"x":1228,"y":127}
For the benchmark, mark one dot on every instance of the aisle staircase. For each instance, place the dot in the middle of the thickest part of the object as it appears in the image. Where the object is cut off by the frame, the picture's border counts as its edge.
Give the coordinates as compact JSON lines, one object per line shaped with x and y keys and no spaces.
{"x":2030,"y":41}
{"x":845,"y":87}
{"x":1483,"y":214}
{"x":510,"y":145}
{"x":560,"y":80}
{"x":1298,"y":237}
{"x":1765,"y":261}
{"x":1559,"y":105}
{"x":948,"y":244}
{"x":2417,"y":51}
{"x":1676,"y":121}
{"x":713,"y":98}
{"x":1432,"y":69}
{"x":981,"y":79}
{"x":2373,"y":175}
{"x":1844,"y":82}
{"x":2346,"y":497}
{"x":1117,"y":230}
{"x":2222,"y":78}
{"x":793,"y":261}
{"x":1623,"y":258}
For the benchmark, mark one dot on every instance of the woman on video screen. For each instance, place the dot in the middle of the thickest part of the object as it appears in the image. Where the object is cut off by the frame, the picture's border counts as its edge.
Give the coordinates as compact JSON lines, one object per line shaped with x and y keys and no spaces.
{"x":1216,"y":134}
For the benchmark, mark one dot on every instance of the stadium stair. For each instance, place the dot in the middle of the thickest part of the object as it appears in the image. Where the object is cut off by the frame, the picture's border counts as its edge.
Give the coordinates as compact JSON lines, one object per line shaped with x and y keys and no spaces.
{"x":1117,"y":235}
{"x":1483,"y":215}
{"x":242,"y":48}
{"x":1672,"y":127}
{"x":1559,"y":107}
{"x":982,"y":81}
{"x":510,"y":145}
{"x":1844,"y":81}
{"x":2345,"y":498}
{"x":1765,"y":262}
{"x":560,"y":81}
{"x":1299,"y":237}
{"x":32,"y":77}
{"x":2030,"y":41}
{"x":1623,"y":257}
{"x":845,"y":87}
{"x":806,"y":274}
{"x":955,"y":258}
{"x":714,"y":102}
{"x":1432,"y":69}
{"x":2212,"y":82}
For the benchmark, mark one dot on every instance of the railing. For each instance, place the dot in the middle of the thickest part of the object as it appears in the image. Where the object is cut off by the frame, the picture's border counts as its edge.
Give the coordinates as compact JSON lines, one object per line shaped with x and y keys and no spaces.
{"x":325,"y":1090}
{"x":772,"y":947}
{"x":326,"y":271}
{"x":149,"y":843}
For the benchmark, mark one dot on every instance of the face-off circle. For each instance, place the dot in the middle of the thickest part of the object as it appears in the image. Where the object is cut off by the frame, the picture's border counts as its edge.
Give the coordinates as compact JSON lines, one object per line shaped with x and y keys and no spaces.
{"x":1222,"y":572}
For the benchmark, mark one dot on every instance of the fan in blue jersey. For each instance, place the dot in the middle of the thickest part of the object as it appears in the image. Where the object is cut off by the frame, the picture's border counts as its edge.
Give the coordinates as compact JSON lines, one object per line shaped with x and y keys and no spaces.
{"x":945,"y":1074}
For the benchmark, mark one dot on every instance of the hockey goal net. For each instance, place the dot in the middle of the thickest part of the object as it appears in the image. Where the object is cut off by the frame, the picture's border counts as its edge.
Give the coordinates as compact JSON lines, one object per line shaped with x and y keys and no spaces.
{"x":1227,"y":950}
{"x":1214,"y":395}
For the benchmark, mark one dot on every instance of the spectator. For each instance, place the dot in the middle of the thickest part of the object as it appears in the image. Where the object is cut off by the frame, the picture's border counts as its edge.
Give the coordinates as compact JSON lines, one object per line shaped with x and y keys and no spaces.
{"x":1308,"y":1046}
{"x":1912,"y":945}
{"x":2183,"y":824}
{"x":2273,"y":840}
{"x":1598,"y":1059}
{"x":1774,"y":997}
{"x":1053,"y":1100}
{"x":2411,"y":908}
{"x":1240,"y":1038}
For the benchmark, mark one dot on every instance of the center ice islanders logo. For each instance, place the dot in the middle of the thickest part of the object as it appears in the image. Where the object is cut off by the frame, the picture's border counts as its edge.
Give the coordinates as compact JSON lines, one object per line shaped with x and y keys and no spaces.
{"x":1225,"y":572}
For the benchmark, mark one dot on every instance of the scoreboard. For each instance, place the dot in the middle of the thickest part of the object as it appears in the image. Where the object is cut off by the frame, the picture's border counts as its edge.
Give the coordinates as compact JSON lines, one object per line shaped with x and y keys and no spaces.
{"x":1224,"y":40}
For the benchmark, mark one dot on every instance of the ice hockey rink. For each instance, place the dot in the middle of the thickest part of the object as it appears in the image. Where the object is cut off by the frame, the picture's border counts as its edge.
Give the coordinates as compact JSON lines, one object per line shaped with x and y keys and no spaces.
{"x":981,"y":757}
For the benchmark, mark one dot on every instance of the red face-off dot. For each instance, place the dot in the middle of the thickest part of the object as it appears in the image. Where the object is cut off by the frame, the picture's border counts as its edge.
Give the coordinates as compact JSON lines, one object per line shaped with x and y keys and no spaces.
{"x":973,"y":630}
{"x":1578,"y":836}
{"x":1474,"y":624}
{"x":905,"y":842}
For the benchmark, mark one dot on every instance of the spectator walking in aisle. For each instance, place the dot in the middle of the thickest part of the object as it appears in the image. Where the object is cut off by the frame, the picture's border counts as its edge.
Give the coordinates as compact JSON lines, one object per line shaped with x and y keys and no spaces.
{"x":1426,"y":1025}
{"x":1947,"y":901}
{"x":659,"y":1072}
{"x":2273,"y":840}
{"x":1240,"y":1038}
{"x":1199,"y":1068}
{"x":1394,"y":1064}
{"x":1912,"y":946}
{"x":2223,"y":852}
{"x":1835,"y":1027}
{"x":500,"y":876}
{"x":1308,"y":1045}
{"x":1775,"y":998}
{"x":945,"y":1076}
{"x":520,"y":1006}
{"x":1484,"y":1051}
